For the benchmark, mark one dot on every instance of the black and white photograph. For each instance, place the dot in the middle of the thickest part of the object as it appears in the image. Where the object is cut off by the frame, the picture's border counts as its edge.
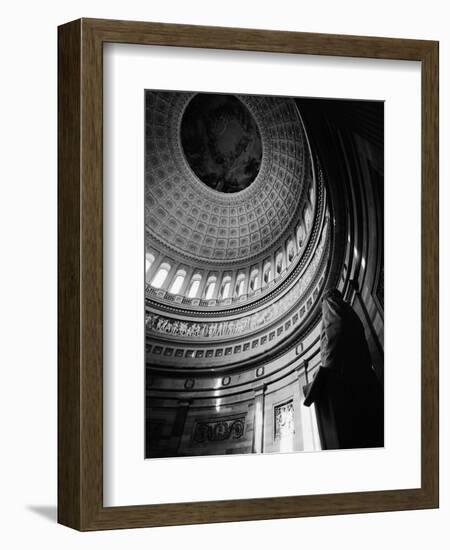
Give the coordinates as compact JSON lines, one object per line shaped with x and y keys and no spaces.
{"x":226,"y":227}
{"x":264,"y":274}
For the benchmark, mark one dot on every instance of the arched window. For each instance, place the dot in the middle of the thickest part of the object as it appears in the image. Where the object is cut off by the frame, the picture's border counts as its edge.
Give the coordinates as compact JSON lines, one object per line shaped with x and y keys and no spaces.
{"x":267,"y":277}
{"x":254,"y":280}
{"x":194,"y":285}
{"x":279,"y":263}
{"x":300,"y":236}
{"x":308,"y":218}
{"x":178,"y":282}
{"x":210,"y":287}
{"x":149,"y":259}
{"x":161,"y":275}
{"x":290,"y":251}
{"x":225,"y":288}
{"x":240,"y":283}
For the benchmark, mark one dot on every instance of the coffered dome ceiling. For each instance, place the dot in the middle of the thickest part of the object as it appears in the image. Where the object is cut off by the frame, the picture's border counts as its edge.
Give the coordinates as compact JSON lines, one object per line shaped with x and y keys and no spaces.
{"x":237,"y":197}
{"x":237,"y":232}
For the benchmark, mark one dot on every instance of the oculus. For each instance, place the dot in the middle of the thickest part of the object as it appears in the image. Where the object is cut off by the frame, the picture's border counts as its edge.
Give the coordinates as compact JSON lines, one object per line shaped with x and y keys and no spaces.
{"x":221,"y":142}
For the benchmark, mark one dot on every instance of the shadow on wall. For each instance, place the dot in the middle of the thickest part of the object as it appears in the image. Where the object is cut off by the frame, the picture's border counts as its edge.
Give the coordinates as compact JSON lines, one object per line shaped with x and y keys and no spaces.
{"x":49,"y":513}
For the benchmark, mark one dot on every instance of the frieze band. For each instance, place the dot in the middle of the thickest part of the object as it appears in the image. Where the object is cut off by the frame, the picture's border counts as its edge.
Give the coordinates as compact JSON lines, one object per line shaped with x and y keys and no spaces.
{"x":156,"y":323}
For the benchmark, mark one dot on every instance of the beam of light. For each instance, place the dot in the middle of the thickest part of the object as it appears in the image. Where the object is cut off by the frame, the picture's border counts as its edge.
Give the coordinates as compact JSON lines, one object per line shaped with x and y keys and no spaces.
{"x":216,"y":393}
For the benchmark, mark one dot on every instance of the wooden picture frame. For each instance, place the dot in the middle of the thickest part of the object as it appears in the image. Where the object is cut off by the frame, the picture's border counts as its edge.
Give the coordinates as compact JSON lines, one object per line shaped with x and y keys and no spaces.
{"x":80,"y":272}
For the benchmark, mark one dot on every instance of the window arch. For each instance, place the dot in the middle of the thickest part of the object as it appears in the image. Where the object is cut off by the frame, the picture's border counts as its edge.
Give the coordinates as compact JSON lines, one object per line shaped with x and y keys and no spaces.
{"x":194,"y":285}
{"x":149,"y":259}
{"x":279,"y":264}
{"x":300,"y":235}
{"x":161,"y":275}
{"x":240,"y":284}
{"x":225,"y":288}
{"x":210,"y":287}
{"x":290,"y":251}
{"x":254,"y":280}
{"x":178,"y":282}
{"x":267,"y":277}
{"x":308,"y":218}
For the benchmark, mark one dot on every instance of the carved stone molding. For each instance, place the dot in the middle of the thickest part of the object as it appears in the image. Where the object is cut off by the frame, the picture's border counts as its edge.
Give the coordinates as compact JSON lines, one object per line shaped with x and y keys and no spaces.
{"x":219,"y":429}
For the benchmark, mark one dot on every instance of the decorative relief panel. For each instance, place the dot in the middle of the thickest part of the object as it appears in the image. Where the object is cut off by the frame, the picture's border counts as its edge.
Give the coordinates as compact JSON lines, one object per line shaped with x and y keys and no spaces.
{"x":284,"y":420}
{"x":219,"y":429}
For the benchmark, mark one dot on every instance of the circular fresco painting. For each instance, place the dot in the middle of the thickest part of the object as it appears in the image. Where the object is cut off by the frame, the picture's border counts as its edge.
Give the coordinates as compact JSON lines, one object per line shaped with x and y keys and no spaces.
{"x":221,"y":142}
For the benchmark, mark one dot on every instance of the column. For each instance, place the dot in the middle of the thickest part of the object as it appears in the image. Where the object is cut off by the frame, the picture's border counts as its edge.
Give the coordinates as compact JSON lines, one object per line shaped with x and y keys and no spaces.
{"x":153,"y":268}
{"x":309,"y":426}
{"x":232,"y":284}
{"x":201,"y":289}
{"x":170,"y":279}
{"x":187,"y":280}
{"x":179,"y":423}
{"x":217,"y":287}
{"x":246,"y":281}
{"x":258,"y":422}
{"x":260,"y":277}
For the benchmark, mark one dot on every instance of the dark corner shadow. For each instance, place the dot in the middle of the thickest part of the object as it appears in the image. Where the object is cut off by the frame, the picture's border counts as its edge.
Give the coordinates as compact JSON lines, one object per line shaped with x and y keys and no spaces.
{"x":47,"y":512}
